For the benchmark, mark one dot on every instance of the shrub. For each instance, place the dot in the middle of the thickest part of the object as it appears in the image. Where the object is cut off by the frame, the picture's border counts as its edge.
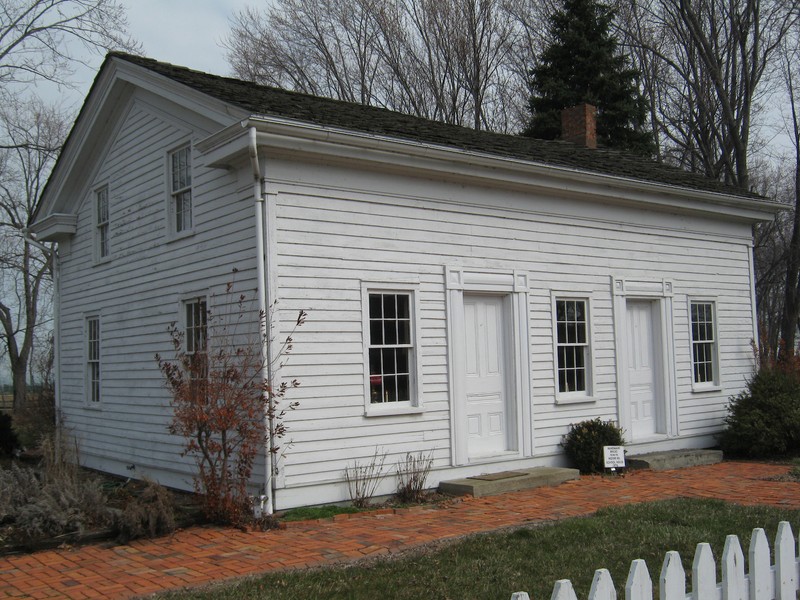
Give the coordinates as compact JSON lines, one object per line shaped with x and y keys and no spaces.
{"x":37,"y":418}
{"x":8,"y":439}
{"x":764,"y":420}
{"x":150,"y":513}
{"x":412,"y":477}
{"x":364,"y":478}
{"x":221,"y":403}
{"x":584,"y":442}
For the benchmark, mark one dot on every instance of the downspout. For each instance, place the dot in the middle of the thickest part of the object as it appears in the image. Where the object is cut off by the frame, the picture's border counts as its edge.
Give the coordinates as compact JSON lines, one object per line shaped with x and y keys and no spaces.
{"x":259,"y":196}
{"x":28,"y":238}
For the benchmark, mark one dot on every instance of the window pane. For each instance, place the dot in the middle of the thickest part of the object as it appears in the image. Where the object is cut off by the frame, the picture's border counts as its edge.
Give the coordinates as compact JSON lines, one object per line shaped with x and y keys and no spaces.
{"x":390,"y":357}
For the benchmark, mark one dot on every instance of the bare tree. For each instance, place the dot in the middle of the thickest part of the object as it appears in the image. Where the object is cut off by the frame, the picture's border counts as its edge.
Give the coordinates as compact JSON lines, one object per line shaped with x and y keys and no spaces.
{"x":36,"y":36}
{"x":449,"y":60}
{"x":35,"y":134}
{"x":791,"y":307}
{"x":40,"y":40}
{"x":705,"y":64}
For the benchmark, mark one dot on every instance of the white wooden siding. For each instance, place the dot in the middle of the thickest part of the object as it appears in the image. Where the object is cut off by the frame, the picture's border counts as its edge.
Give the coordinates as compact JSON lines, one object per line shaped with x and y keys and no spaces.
{"x":137,"y":292}
{"x":337,"y":226}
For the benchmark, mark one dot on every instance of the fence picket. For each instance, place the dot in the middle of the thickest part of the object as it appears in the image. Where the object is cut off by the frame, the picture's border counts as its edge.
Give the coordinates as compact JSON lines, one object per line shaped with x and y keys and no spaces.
{"x":764,"y":581}
{"x":785,"y":563}
{"x":704,"y":573}
{"x":760,"y":571}
{"x":672,"y":583}
{"x":602,"y":586}
{"x":563,"y":590}
{"x":734,"y":586}
{"x":639,"y":585}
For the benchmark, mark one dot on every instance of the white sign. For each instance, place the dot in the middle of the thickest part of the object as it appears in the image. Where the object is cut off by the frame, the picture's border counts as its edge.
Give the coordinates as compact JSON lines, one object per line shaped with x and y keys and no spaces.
{"x":614,"y":456}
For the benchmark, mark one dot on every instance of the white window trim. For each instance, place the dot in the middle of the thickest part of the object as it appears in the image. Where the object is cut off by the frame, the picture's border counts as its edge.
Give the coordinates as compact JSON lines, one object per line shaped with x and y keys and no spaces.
{"x":98,"y":257}
{"x":415,"y":405}
{"x":716,"y":384}
{"x":589,"y":394}
{"x":172,"y":225}
{"x":87,"y":378}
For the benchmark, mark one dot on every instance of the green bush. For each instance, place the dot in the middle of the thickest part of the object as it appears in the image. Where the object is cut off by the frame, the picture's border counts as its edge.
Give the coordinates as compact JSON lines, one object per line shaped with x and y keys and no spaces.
{"x":584,"y":442}
{"x":764,"y":420}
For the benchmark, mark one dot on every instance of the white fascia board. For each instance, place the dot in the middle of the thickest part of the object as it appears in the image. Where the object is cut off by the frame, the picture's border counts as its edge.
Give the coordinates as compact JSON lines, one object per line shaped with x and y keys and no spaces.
{"x":226,"y":147}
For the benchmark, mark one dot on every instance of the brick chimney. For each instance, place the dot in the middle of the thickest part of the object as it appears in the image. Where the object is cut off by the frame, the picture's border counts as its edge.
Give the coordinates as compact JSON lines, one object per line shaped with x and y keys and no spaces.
{"x":579,"y":125}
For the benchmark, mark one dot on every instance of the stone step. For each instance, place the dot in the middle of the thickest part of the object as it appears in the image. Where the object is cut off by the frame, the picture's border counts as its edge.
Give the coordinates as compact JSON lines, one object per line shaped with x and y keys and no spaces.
{"x":673,"y":459}
{"x":507,"y":481}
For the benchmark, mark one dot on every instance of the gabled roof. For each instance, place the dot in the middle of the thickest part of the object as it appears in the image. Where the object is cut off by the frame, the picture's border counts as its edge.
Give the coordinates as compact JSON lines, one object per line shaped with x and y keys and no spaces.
{"x":264,"y":100}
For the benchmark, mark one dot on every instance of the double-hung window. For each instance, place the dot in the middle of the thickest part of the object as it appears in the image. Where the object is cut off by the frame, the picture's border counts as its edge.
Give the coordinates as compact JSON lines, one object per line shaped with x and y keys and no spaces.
{"x":391,"y":353}
{"x":93,"y":360}
{"x":705,"y":370}
{"x":180,"y":164}
{"x":196,"y":338}
{"x":101,"y":222}
{"x":572,"y":347}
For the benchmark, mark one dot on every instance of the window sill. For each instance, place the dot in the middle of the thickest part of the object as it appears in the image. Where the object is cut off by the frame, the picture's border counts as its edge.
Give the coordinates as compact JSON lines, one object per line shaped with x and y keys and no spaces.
{"x":174,"y":237}
{"x":574,"y":398}
{"x":381,"y":410}
{"x":102,"y":261}
{"x":705,"y":388}
{"x":93,"y":406}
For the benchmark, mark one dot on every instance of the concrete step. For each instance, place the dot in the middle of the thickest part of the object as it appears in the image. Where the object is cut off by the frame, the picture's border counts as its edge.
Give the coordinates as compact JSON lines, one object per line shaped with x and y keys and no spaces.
{"x":673,"y":459}
{"x":507,"y":481}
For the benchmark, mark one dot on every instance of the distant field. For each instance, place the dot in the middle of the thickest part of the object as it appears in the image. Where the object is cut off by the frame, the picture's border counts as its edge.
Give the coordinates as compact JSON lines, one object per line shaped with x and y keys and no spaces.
{"x":6,"y":401}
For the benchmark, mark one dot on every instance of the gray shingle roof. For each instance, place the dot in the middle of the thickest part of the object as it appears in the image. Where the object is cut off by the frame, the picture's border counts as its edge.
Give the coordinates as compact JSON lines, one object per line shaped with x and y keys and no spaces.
{"x":264,"y":100}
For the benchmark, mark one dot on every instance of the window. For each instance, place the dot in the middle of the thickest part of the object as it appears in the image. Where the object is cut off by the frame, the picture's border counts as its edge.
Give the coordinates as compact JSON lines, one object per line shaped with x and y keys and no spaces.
{"x":704,"y":343}
{"x":93,"y":359}
{"x":181,"y":189}
{"x":101,"y":202}
{"x":572,"y":345}
{"x":196,"y":341}
{"x":391,"y":348}
{"x":196,"y":326}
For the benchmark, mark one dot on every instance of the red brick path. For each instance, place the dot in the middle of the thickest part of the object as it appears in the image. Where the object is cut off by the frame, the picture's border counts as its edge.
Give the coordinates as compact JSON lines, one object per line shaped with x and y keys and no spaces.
{"x":204,"y":554}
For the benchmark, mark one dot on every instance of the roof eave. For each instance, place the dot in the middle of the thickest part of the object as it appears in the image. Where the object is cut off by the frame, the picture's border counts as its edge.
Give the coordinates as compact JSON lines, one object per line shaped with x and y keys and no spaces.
{"x":229,"y":145}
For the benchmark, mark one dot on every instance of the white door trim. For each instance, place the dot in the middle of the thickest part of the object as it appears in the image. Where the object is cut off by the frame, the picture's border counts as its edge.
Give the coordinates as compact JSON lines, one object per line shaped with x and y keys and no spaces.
{"x":513,"y":285}
{"x":660,"y":291}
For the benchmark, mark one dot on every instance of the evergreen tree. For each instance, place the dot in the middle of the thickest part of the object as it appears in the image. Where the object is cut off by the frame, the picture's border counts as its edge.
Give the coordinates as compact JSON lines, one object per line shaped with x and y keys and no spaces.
{"x":583,"y":64}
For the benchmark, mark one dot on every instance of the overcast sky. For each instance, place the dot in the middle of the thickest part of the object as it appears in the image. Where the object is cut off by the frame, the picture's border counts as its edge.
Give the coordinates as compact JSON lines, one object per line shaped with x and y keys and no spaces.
{"x":183,"y":32}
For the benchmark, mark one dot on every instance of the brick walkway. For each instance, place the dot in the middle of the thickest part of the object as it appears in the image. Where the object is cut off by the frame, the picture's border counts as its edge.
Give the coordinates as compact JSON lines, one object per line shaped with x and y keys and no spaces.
{"x":205,"y":554}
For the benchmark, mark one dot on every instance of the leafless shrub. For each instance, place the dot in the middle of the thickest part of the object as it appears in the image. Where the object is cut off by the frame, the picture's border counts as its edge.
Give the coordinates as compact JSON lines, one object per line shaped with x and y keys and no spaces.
{"x":363,"y":479}
{"x":412,"y":477}
{"x":151,"y":513}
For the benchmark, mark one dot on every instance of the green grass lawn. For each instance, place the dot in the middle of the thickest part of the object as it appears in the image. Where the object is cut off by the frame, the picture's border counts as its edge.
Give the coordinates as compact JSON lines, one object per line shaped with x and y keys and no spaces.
{"x":530,"y":559}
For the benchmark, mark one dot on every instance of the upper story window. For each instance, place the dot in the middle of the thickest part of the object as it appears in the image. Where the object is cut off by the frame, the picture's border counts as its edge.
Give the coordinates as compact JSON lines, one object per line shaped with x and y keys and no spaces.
{"x":101,"y":222}
{"x":180,"y":163}
{"x":93,"y":359}
{"x":705,"y":370}
{"x":572,"y":347}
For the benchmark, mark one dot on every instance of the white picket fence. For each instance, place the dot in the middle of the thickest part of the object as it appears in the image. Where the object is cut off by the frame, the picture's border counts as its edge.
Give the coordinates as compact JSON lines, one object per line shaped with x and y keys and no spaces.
{"x":765,"y":581}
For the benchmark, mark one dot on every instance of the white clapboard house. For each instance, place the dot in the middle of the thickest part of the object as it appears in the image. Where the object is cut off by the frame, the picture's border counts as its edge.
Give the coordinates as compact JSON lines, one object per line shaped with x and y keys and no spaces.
{"x":469,"y":294}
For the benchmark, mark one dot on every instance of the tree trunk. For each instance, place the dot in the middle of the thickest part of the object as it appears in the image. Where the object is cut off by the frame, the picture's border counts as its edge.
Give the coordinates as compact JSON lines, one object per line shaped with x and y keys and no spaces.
{"x":20,"y":383}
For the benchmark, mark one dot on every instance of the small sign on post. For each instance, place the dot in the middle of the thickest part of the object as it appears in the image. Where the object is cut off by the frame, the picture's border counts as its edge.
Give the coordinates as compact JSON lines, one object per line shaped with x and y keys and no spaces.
{"x":614,"y":457}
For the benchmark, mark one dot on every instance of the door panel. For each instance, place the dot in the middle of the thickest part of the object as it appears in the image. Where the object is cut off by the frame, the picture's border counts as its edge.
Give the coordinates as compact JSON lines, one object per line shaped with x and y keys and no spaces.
{"x":644,"y":377}
{"x":486,"y":385}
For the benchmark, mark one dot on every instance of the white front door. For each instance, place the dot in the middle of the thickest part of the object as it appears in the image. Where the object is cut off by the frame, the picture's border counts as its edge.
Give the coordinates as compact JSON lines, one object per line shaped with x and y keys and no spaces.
{"x":644,"y":371}
{"x":486,"y":375}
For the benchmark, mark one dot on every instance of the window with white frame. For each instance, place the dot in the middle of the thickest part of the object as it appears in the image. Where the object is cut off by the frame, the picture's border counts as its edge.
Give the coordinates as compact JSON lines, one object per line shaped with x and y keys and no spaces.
{"x":704,"y":342}
{"x":391,"y":354}
{"x":180,"y":164}
{"x":573,"y":353}
{"x":93,"y":359}
{"x":196,"y":338}
{"x":101,"y":211}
